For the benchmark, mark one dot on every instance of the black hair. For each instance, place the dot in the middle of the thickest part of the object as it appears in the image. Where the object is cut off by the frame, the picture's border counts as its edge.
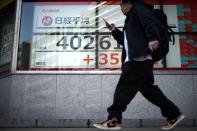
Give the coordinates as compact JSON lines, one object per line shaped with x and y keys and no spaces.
{"x":130,"y":1}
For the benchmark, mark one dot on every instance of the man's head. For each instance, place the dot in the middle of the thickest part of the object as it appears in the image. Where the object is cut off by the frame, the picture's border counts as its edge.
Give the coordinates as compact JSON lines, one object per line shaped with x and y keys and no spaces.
{"x":125,"y":1}
{"x":126,"y":5}
{"x":131,"y":1}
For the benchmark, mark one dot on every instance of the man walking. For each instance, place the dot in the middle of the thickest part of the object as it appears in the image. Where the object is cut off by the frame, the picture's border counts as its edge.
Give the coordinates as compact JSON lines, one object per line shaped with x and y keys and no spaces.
{"x":139,"y":38}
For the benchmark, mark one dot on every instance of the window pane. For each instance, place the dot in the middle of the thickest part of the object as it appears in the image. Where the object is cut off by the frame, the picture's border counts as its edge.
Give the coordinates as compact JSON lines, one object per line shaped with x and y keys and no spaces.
{"x":109,"y":50}
{"x":63,"y":35}
{"x":188,"y":46}
{"x":57,"y":35}
{"x":182,"y":18}
{"x":7,"y":15}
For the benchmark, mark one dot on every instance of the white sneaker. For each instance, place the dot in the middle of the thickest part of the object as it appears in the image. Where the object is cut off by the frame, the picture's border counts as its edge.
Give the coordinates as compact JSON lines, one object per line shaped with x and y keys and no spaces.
{"x":171,"y":124}
{"x":108,"y":125}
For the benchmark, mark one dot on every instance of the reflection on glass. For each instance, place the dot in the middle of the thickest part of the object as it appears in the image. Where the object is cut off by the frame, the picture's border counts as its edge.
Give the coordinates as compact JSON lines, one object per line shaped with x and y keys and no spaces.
{"x":7,"y":15}
{"x":72,"y":36}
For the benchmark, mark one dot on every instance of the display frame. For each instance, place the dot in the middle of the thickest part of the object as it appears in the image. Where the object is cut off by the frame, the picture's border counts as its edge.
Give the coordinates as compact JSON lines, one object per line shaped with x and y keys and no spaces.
{"x":52,"y":71}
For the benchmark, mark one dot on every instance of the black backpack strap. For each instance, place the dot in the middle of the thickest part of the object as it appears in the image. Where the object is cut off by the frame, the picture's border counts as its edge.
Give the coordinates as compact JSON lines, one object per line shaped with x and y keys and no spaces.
{"x":171,"y":34}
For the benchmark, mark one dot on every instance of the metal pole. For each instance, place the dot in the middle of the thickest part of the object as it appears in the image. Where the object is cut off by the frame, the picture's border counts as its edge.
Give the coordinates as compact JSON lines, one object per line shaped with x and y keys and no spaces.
{"x":97,"y":37}
{"x":16,"y":36}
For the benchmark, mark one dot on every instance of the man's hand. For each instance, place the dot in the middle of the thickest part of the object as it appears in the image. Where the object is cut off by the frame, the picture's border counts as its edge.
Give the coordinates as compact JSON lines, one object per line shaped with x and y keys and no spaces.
{"x":111,"y":27}
{"x":153,"y":45}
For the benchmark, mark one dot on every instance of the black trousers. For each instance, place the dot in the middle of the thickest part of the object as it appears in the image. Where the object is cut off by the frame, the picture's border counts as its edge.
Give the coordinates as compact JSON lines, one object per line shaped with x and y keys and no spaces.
{"x":138,"y":76}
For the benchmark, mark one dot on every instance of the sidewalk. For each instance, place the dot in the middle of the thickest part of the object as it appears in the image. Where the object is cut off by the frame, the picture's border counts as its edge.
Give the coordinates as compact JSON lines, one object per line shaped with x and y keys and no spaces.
{"x":94,"y":129}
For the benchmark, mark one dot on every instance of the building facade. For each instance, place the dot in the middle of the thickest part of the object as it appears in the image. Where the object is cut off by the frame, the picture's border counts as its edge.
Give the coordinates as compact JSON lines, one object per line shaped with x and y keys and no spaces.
{"x":59,"y":64}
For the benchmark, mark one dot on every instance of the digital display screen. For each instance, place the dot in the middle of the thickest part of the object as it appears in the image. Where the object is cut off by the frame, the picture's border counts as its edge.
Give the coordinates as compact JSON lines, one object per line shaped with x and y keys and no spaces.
{"x":73,"y":35}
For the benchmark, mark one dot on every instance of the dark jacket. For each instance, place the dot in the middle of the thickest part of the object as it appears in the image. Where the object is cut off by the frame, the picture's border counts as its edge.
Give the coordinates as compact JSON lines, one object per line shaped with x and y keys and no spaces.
{"x":140,"y":27}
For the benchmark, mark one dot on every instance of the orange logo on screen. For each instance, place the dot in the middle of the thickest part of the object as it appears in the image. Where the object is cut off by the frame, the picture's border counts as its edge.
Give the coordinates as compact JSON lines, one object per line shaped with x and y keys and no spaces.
{"x":47,"y":21}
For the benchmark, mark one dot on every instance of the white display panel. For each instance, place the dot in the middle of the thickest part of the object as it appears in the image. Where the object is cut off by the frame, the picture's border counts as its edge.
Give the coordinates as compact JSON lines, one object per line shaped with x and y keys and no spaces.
{"x":174,"y":57}
{"x":75,"y":36}
{"x":63,"y":36}
{"x":63,"y":51}
{"x":67,"y":36}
